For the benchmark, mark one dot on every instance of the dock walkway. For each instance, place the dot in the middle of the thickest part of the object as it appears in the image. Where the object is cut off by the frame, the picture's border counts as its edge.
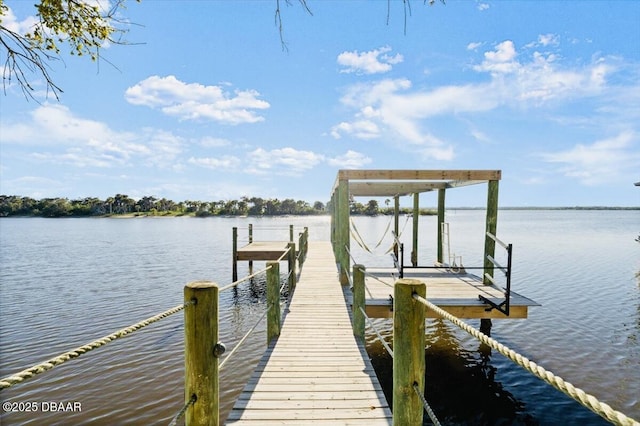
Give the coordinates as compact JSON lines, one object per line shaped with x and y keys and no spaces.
{"x":316,"y":371}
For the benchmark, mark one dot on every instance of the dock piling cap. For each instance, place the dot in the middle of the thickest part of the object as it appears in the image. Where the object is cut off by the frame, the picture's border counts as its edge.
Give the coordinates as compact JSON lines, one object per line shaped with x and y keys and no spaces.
{"x":201,"y":284}
{"x":409,"y":281}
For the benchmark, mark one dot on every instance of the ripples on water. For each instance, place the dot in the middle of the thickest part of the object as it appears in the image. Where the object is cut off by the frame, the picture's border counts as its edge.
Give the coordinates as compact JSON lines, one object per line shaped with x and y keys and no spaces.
{"x":67,"y":282}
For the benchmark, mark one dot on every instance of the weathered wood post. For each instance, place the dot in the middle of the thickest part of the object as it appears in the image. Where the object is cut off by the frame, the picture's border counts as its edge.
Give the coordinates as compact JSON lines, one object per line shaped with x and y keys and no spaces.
{"x":201,"y":351}
{"x":292,"y":266}
{"x":290,"y":233}
{"x":491,"y":227}
{"x":396,"y":223}
{"x":306,"y":243}
{"x":250,"y":241}
{"x":358,"y":300}
{"x":300,"y":249}
{"x":408,"y":352}
{"x":416,"y":217}
{"x":342,"y":228}
{"x":234,"y":274}
{"x":273,"y":300}
{"x":441,"y":208}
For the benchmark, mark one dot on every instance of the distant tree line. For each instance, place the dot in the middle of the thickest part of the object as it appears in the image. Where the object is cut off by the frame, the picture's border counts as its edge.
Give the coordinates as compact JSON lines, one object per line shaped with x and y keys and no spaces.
{"x":13,"y":205}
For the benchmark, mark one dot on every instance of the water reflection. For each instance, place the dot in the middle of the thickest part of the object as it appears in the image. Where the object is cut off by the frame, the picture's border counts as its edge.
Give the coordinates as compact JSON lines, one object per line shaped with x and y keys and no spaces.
{"x":460,"y":383}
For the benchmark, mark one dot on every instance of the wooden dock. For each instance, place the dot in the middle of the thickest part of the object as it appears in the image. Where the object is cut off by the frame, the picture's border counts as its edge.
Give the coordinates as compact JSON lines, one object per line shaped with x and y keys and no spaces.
{"x":316,"y":372}
{"x":455,"y":292}
{"x":262,"y":250}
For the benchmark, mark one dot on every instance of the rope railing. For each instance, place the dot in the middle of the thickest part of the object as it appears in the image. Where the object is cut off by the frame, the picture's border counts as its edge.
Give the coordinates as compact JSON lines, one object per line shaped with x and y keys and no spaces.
{"x":178,"y":416}
{"x":247,"y":334}
{"x":375,"y":330}
{"x":370,"y":275}
{"x":246,"y":278}
{"x":359,"y":330}
{"x":425,"y":404}
{"x":75,"y":353}
{"x":591,"y":402}
{"x":286,"y":253}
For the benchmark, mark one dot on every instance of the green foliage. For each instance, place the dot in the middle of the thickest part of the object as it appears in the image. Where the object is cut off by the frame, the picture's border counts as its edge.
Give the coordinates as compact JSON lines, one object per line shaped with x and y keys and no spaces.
{"x":75,"y":22}
{"x":120,"y":204}
{"x":83,"y":26}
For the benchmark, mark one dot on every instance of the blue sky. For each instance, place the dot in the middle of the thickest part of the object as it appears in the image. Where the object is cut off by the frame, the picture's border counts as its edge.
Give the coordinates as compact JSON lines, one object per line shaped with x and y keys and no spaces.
{"x":206,"y":105}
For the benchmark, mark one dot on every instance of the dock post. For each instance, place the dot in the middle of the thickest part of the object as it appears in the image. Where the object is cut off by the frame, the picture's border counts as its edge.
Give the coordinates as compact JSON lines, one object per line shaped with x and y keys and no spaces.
{"x":306,"y":243}
{"x":302,"y":246}
{"x":290,"y":233}
{"x":441,"y":200}
{"x":292,"y":266}
{"x":201,"y":353}
{"x":273,"y":300}
{"x":416,"y":216}
{"x":408,"y":352}
{"x":234,"y":274}
{"x":342,"y":230}
{"x":250,"y":241}
{"x":396,"y":222}
{"x":358,"y":300}
{"x":491,"y":227}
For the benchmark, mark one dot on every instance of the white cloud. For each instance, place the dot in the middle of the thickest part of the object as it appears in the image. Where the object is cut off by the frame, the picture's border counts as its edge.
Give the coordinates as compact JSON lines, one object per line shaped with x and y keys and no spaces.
{"x":548,"y":39}
{"x":387,"y":106}
{"x":483,"y":6}
{"x":193,"y":101}
{"x":361,"y":129}
{"x":392,"y":110}
{"x":349,"y":160}
{"x":372,"y":62}
{"x":500,"y":60}
{"x":601,"y":162}
{"x":11,"y":22}
{"x":474,"y":45}
{"x":210,"y":142}
{"x":226,"y":162}
{"x":284,"y":161}
{"x":56,"y":135}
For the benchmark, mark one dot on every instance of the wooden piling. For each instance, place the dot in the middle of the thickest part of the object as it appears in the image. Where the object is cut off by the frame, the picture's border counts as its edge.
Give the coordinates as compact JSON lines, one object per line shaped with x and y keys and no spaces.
{"x":292,"y":266}
{"x":250,"y":241}
{"x":396,"y":223}
{"x":358,"y":300}
{"x":234,"y":239}
{"x":441,"y":209}
{"x":200,"y":360}
{"x":342,"y":230}
{"x":491,"y":227}
{"x":416,"y":217}
{"x":408,"y":352}
{"x":273,"y":300}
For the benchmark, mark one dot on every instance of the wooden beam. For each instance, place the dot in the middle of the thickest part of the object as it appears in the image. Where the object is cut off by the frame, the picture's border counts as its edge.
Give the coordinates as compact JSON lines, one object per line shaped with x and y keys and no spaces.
{"x":419,"y":175}
{"x":468,"y":312}
{"x":390,"y":189}
{"x":460,"y":183}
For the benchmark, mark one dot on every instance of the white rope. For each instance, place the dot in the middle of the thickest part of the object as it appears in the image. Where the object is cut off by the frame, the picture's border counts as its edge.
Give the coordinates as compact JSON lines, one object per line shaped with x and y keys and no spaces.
{"x":241,"y":280}
{"x":578,"y":394}
{"x":75,"y":353}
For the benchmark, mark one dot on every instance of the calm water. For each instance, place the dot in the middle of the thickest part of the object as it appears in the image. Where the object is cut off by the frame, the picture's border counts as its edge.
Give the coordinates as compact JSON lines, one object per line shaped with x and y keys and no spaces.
{"x":65,"y":282}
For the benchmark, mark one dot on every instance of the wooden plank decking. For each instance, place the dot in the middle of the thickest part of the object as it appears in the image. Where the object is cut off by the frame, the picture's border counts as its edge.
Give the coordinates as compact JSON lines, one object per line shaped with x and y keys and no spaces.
{"x":262,"y":250}
{"x":456,"y":293}
{"x":316,"y":371}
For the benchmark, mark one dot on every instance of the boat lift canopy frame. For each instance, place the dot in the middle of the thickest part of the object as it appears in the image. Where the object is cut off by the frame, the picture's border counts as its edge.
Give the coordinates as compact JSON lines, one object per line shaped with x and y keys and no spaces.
{"x":395,"y":183}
